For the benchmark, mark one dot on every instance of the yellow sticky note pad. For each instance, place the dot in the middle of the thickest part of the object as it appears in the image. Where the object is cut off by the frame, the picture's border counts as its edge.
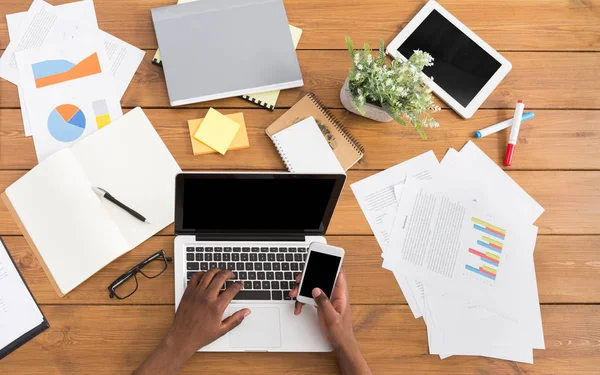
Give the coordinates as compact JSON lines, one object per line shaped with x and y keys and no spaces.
{"x":239,"y":141}
{"x":217,"y":131}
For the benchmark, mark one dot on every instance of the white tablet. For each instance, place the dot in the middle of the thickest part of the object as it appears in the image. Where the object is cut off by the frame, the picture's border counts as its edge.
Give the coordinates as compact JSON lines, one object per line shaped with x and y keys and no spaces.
{"x":465,"y":68}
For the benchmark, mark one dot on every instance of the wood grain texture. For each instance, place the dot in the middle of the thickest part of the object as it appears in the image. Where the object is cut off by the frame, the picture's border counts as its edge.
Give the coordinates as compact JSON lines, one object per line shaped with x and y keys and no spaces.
{"x":543,"y":79}
{"x":571,"y":25}
{"x":552,"y":140}
{"x":553,"y":46}
{"x":116,"y":339}
{"x":566,"y":267}
{"x":576,"y":212}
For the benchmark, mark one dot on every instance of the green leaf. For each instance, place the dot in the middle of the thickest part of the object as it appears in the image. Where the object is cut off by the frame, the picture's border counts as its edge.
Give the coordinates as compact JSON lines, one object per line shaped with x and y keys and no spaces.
{"x":381,"y":56}
{"x":350,"y":45}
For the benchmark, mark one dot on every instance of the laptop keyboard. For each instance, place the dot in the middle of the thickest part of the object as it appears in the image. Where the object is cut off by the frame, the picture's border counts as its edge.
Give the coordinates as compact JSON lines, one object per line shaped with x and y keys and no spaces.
{"x":268,"y":273}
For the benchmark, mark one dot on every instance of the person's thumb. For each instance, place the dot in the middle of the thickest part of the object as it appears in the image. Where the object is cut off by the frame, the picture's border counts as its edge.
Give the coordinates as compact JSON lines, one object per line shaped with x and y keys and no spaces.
{"x":234,"y":320}
{"x":323,"y":302}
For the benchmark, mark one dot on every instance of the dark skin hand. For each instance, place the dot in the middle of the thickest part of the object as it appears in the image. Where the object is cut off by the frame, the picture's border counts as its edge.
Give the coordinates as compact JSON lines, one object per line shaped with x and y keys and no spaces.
{"x":197,"y":322}
{"x":335,"y":319}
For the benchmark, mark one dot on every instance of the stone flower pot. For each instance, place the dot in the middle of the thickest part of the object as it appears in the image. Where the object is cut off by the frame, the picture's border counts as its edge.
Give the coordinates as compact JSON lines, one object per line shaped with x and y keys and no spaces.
{"x":373,"y":112}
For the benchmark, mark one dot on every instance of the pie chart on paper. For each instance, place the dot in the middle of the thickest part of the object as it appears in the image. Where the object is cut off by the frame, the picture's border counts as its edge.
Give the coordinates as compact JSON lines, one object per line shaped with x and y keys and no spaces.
{"x":66,"y":123}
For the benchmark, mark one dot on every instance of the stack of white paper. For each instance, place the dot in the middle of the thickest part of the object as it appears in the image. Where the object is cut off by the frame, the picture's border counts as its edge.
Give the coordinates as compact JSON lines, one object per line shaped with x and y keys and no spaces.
{"x":70,"y":75}
{"x":459,"y":238}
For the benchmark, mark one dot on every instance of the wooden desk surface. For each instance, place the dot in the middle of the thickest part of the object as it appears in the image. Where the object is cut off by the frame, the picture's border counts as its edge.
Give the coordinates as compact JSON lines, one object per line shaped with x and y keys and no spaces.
{"x":554,"y":46}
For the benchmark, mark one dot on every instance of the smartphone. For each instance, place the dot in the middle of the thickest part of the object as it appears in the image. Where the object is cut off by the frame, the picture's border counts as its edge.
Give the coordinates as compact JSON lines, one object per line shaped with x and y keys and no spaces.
{"x":321,"y":271}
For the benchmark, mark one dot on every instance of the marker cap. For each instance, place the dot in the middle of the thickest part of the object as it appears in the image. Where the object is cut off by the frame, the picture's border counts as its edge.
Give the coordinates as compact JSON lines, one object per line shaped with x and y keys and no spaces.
{"x":510,"y":149}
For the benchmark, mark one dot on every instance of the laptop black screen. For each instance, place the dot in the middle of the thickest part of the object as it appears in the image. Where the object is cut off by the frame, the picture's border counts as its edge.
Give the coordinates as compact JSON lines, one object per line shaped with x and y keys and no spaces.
{"x":255,"y":203}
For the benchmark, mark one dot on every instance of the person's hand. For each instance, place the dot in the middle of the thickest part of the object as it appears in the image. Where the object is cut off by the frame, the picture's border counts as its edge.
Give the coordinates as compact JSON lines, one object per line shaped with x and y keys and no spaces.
{"x":335,"y":316}
{"x":198,"y":318}
{"x":197,"y":322}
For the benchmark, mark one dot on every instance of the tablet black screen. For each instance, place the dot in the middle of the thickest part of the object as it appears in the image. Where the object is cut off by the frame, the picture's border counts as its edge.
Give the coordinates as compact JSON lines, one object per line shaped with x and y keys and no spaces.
{"x":460,"y":66}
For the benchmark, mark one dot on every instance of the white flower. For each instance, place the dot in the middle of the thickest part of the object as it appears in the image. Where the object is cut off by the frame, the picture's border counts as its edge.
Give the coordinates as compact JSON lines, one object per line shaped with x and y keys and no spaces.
{"x":369,"y":59}
{"x":357,"y":75}
{"x":356,"y":58}
{"x":388,"y":82}
{"x":360,"y":67}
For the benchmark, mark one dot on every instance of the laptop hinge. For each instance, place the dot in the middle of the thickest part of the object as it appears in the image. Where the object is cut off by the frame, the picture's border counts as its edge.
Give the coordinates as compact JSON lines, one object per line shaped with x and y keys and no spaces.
{"x":272,"y":237}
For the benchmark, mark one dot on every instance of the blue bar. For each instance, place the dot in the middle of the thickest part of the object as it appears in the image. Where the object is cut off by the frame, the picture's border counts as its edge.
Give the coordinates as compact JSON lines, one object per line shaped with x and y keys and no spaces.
{"x":487,"y":246}
{"x":490,"y":262}
{"x":472,"y":269}
{"x":487,"y":231}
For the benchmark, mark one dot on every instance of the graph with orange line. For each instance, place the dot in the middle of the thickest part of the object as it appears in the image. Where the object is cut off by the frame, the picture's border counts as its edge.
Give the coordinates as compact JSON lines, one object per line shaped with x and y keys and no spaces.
{"x":52,"y":72}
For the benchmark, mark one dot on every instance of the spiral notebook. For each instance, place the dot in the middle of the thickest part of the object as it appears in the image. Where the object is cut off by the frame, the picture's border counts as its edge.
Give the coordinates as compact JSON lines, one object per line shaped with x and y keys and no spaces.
{"x":347,"y":149}
{"x":304,"y":150}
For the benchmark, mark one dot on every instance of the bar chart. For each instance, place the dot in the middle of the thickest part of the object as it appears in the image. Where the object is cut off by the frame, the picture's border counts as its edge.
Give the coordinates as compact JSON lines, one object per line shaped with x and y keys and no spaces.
{"x":487,"y":250}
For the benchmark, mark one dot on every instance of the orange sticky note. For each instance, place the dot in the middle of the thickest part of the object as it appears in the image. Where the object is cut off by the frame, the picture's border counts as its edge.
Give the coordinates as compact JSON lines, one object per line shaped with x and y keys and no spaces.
{"x":239,"y":141}
{"x":217,"y":131}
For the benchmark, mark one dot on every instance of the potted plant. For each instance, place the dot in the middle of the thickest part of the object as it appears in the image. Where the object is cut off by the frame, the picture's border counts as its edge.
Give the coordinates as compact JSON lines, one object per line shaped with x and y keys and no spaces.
{"x":385,"y":93}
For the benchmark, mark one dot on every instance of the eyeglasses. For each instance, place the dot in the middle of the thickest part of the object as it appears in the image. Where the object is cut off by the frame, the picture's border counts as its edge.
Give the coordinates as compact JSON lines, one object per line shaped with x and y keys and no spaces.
{"x":127,"y":283}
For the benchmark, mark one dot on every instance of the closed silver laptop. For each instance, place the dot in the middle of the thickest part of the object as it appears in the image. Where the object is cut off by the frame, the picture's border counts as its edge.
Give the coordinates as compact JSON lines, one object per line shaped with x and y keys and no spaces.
{"x":213,"y":49}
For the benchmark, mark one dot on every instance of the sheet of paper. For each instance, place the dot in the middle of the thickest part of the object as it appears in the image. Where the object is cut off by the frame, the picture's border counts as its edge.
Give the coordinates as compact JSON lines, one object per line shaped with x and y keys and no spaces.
{"x":486,"y":182}
{"x":123,"y":57}
{"x":68,"y":92}
{"x":18,"y":312}
{"x":43,"y":24}
{"x":444,"y":240}
{"x":40,"y":25}
{"x":124,"y":61}
{"x":376,"y":197}
{"x":461,"y":329}
{"x":70,"y":14}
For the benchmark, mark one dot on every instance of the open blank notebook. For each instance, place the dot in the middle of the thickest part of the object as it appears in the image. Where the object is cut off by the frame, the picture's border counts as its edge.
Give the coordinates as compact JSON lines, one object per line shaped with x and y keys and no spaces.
{"x":304,"y":149}
{"x":74,"y":232}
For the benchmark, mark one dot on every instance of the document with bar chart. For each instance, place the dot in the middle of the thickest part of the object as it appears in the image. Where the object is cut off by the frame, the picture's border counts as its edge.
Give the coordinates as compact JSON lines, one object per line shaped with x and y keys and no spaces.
{"x":449,"y":242}
{"x":487,"y":251}
{"x":69,"y":92}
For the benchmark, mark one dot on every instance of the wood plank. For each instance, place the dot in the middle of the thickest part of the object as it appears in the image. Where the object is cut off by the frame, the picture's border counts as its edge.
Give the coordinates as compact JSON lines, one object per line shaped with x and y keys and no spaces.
{"x":542,"y":79}
{"x":566,"y":267}
{"x":83,"y":337}
{"x":576,"y":212}
{"x":553,"y":140}
{"x":557,"y":25}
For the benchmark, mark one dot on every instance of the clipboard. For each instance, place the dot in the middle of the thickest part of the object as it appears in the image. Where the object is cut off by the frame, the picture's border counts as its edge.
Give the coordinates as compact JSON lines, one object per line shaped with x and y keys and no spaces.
{"x":32,"y":333}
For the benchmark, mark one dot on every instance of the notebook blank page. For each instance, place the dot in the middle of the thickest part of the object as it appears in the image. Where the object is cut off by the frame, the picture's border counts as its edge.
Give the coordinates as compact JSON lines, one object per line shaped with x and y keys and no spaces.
{"x":71,"y":231}
{"x":130,"y":161}
{"x":305,"y":150}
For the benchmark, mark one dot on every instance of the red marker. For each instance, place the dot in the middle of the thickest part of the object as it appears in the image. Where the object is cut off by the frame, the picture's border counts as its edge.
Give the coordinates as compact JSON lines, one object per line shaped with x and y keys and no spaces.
{"x":514,"y":133}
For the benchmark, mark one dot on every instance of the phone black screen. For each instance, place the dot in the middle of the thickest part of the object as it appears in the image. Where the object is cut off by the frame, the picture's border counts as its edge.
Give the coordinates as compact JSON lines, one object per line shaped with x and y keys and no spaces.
{"x":320,"y":272}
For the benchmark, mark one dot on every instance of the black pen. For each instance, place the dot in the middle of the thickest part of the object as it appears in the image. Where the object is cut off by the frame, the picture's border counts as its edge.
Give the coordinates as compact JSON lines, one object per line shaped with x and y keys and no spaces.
{"x":104,"y":194}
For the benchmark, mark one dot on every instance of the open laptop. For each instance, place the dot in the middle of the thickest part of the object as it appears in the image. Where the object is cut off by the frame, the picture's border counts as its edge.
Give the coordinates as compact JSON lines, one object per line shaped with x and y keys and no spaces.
{"x":260,"y":226}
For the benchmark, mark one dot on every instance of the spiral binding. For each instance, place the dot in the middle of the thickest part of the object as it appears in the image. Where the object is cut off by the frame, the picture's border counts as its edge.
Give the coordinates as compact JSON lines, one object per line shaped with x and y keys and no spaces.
{"x":338,"y":125}
{"x":282,"y":154}
{"x":259,"y":102}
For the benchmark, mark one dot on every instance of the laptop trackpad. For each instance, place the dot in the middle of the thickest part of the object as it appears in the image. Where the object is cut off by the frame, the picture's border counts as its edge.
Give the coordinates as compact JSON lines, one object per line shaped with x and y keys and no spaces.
{"x":260,"y":330}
